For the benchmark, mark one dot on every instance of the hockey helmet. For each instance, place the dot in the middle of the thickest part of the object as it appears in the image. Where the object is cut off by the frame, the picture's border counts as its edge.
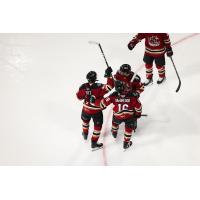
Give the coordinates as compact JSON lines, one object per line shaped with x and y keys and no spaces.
{"x":125,"y":68}
{"x":91,"y":76}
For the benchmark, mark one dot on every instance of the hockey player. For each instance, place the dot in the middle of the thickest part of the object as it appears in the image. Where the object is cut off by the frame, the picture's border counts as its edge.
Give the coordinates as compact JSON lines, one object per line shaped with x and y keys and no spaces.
{"x":132,"y":82}
{"x":156,"y":45}
{"x":126,"y":108}
{"x":92,"y":93}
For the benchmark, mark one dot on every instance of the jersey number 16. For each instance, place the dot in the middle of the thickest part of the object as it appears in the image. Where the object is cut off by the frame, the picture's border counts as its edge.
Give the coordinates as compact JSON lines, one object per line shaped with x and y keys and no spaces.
{"x":122,"y":107}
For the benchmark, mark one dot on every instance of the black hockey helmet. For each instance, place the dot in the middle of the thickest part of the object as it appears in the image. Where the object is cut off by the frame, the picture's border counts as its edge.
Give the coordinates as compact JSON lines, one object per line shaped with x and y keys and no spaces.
{"x":91,"y":76}
{"x":125,"y":68}
{"x":119,"y":86}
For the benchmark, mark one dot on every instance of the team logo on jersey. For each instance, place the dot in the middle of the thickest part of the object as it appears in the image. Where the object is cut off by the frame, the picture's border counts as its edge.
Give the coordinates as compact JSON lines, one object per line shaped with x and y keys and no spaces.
{"x":154,"y":41}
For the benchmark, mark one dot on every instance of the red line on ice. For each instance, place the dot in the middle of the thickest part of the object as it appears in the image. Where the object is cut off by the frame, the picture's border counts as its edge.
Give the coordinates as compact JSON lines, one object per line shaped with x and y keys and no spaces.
{"x":185,"y":38}
{"x":105,"y":160}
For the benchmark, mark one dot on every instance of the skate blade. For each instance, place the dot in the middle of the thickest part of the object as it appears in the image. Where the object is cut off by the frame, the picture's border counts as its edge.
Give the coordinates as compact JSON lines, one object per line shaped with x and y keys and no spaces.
{"x":97,"y":148}
{"x":150,"y":84}
{"x":126,"y":149}
{"x":162,"y":82}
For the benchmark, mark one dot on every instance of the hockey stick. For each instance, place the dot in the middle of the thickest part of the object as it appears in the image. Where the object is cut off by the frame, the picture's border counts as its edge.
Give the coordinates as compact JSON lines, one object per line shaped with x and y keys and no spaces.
{"x":144,"y":115}
{"x":97,"y":43}
{"x":179,"y":84}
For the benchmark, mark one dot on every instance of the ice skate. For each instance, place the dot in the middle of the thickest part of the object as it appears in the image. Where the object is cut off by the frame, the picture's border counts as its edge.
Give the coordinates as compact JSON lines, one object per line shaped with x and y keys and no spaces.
{"x":127,"y":145}
{"x":161,"y":80}
{"x":148,"y":82}
{"x":96,"y":146}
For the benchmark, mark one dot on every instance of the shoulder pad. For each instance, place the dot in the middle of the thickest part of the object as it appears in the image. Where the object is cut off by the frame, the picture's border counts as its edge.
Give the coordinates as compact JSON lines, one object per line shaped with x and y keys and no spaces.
{"x":96,"y":85}
{"x":83,"y":86}
{"x":99,"y":84}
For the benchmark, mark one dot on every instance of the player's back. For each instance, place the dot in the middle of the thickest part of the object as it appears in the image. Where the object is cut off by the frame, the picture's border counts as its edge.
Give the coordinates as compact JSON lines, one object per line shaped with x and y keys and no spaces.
{"x":124,"y":104}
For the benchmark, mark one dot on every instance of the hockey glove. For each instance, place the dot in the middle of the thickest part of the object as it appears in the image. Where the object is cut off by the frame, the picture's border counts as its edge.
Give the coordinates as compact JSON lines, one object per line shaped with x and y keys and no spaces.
{"x":92,"y":99}
{"x":136,"y":94}
{"x":108,"y":72}
{"x":131,"y":45}
{"x":169,"y":52}
{"x":137,"y":115}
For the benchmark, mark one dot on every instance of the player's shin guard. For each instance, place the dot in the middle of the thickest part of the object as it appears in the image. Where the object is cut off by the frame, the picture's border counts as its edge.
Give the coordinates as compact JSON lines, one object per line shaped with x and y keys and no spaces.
{"x":114,"y":130}
{"x":96,"y":133}
{"x":85,"y":125}
{"x":149,"y":71}
{"x":127,"y":137}
{"x":161,"y":71}
{"x":128,"y":133}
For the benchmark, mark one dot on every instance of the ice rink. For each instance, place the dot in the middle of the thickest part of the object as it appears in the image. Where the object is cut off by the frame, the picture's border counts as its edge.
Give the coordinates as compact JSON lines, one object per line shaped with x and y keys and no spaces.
{"x":40,"y":115}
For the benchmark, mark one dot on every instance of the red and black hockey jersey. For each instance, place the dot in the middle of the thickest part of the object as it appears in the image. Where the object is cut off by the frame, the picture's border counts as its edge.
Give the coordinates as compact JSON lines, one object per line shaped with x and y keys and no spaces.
{"x":155,"y":43}
{"x":125,"y":105}
{"x":134,"y":85}
{"x":97,"y":90}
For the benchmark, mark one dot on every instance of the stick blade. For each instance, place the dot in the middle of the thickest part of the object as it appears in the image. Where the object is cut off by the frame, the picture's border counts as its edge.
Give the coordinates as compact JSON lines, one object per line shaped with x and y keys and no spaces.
{"x":179,"y":86}
{"x":96,"y":149}
{"x":144,"y":115}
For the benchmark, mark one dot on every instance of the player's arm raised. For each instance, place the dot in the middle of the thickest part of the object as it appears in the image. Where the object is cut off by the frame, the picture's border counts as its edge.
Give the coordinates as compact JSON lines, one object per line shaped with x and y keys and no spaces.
{"x":135,"y":40}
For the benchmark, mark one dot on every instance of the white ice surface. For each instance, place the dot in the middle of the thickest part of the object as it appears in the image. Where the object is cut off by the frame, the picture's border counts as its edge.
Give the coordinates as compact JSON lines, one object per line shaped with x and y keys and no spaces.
{"x":40,"y":116}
